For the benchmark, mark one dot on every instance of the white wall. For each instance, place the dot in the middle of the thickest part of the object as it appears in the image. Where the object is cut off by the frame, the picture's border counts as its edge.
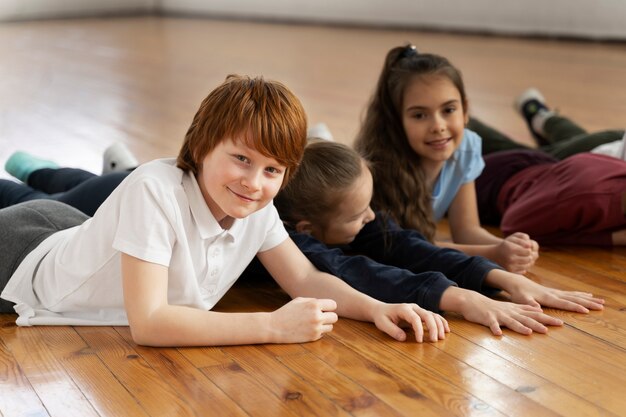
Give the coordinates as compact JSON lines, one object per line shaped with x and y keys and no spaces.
{"x":583,"y":18}
{"x":596,"y":19}
{"x":38,"y":9}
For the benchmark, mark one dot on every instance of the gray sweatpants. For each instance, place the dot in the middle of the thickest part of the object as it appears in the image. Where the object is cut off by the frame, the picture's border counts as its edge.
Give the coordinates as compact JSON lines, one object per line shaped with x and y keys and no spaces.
{"x":23,"y":227}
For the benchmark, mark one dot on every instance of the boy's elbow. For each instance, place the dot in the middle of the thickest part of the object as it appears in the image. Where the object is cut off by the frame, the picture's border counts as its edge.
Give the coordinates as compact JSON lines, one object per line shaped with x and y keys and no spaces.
{"x":139,"y":336}
{"x":143,"y":335}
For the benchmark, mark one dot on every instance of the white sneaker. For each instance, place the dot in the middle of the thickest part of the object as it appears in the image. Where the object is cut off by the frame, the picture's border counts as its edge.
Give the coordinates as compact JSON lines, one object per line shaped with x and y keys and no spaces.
{"x":117,"y":157}
{"x":319,"y":131}
{"x":616,"y":149}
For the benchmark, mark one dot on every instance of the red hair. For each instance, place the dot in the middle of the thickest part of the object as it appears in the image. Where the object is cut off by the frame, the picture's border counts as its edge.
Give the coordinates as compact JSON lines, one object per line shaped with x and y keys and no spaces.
{"x":265,"y":114}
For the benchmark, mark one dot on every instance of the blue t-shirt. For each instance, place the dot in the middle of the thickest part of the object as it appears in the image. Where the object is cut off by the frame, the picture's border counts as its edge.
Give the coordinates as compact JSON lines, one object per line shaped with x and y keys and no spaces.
{"x":464,"y":166}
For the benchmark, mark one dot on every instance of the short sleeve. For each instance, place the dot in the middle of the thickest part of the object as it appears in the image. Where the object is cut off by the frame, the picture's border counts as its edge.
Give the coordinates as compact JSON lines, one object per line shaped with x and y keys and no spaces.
{"x":470,"y":159}
{"x":275,"y":233}
{"x":145,"y":222}
{"x":465,"y":165}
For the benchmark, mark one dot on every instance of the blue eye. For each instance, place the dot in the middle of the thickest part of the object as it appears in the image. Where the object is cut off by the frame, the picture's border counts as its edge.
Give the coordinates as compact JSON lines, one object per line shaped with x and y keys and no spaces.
{"x":273,"y":170}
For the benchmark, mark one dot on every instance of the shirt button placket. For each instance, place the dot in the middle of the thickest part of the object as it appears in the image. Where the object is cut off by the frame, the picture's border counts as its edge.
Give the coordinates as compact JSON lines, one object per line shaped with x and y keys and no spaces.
{"x":215,"y":261}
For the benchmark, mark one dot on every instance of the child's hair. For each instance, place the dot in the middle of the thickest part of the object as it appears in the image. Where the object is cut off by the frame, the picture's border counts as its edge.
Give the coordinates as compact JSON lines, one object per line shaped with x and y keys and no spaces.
{"x":400,"y":188}
{"x":265,"y":114}
{"x":327,"y":170}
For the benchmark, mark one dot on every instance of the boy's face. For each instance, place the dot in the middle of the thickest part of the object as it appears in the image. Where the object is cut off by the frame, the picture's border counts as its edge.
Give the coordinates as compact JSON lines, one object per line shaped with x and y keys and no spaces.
{"x":236,"y":180}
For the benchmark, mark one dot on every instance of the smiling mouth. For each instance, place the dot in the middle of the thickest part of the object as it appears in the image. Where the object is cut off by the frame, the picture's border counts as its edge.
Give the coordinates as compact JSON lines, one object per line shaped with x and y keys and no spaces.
{"x":438,"y":142}
{"x":242,"y":197}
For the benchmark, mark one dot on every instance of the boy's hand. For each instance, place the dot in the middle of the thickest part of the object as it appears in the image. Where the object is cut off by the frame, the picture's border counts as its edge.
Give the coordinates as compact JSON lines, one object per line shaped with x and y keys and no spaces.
{"x":303,"y":320}
{"x":517,"y":253}
{"x":388,"y":317}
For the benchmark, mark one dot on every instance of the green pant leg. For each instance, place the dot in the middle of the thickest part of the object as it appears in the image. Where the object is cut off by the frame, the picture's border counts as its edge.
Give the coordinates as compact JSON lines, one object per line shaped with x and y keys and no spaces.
{"x":582,"y":143}
{"x":493,"y":141}
{"x":559,"y":128}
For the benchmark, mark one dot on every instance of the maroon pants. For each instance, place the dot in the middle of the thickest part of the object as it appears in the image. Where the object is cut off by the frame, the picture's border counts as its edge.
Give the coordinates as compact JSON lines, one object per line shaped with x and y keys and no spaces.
{"x":574,"y":201}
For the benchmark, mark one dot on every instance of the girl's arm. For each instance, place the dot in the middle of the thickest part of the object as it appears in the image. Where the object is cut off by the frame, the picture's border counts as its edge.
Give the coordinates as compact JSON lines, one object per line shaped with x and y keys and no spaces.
{"x":517,"y":253}
{"x":299,"y":278}
{"x":525,"y":291}
{"x":463,"y":218}
{"x":385,"y":282}
{"x":477,"y":308}
{"x":523,"y":314}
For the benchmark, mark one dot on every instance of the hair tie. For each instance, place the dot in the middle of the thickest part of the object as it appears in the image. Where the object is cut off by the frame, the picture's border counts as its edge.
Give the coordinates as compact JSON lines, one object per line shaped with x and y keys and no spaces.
{"x":409,"y":51}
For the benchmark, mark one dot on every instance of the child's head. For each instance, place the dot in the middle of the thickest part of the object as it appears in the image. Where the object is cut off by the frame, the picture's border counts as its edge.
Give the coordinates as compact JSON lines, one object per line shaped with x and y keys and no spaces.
{"x":329,"y":196}
{"x":266,"y":115}
{"x":407,"y":133}
{"x":403,"y":65}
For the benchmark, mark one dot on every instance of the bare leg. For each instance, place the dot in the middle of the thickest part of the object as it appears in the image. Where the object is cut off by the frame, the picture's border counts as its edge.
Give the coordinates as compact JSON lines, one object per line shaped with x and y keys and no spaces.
{"x":619,"y":238}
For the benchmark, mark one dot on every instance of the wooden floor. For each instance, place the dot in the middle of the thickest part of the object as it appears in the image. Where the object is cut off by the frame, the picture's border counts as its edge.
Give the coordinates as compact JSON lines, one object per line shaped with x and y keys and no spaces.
{"x":70,"y":88}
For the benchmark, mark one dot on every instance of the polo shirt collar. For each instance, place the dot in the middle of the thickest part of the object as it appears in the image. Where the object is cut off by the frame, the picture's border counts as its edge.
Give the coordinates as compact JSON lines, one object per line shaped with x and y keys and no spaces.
{"x":204,"y":219}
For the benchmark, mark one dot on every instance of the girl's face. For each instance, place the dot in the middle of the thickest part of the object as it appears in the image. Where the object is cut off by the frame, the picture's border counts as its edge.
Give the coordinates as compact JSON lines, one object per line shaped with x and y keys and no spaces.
{"x":433,"y":117}
{"x":236,"y":180}
{"x":351,"y":214}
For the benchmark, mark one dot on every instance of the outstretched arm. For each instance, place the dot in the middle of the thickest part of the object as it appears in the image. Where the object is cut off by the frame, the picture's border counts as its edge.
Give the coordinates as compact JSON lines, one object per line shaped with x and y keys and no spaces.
{"x":299,"y":278}
{"x":154,"y":322}
{"x":388,"y":282}
{"x":517,"y":253}
{"x":477,"y":308}
{"x":525,"y":291}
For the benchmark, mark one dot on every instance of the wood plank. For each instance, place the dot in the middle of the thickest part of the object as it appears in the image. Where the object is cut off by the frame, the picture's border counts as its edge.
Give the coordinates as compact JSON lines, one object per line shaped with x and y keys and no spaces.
{"x":156,"y":395}
{"x":245,"y":390}
{"x":301,"y":397}
{"x":95,"y":380}
{"x":447,"y":378}
{"x":556,"y":362}
{"x":185,"y":379}
{"x":362,"y":387}
{"x":50,"y":380}
{"x":546,"y":392}
{"x":609,"y":262}
{"x":17,"y":397}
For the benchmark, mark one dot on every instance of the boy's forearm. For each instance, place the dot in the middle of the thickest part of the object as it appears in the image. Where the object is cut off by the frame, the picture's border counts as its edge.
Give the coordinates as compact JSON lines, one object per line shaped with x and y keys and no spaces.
{"x":351,"y":303}
{"x":185,"y":326}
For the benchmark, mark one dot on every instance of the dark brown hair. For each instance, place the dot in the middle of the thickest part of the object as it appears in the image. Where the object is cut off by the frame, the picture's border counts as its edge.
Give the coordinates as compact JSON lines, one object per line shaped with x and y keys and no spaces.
{"x":327,"y":170}
{"x":400,"y":188}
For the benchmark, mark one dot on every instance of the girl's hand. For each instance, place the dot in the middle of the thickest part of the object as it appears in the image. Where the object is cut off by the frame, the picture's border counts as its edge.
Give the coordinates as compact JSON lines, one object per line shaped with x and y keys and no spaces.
{"x":523,"y":319}
{"x":303,"y":320}
{"x":517,"y":253}
{"x":387,"y":318}
{"x":534,"y":294}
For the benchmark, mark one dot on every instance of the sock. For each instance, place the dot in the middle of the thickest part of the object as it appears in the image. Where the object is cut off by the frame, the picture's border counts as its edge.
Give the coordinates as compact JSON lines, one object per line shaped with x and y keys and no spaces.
{"x":117,"y":157}
{"x":320,"y":131}
{"x":538,"y":121}
{"x":22,"y":164}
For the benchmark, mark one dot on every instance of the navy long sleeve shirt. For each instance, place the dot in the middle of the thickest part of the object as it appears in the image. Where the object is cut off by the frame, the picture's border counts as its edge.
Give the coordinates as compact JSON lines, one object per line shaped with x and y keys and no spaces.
{"x":396,"y":265}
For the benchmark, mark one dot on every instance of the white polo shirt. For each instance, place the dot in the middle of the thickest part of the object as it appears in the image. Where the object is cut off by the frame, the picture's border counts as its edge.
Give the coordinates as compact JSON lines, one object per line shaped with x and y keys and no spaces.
{"x":157,"y":214}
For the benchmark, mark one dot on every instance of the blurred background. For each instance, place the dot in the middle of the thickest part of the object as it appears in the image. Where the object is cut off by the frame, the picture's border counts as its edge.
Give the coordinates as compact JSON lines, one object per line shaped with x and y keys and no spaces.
{"x":78,"y":75}
{"x":599,"y":19}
